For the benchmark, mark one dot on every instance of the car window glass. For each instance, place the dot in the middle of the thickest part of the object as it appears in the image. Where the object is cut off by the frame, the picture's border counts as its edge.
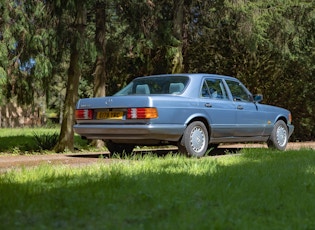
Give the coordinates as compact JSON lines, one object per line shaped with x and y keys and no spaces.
{"x":156,"y":85}
{"x":205,"y":91}
{"x":213,"y":88}
{"x":238,"y":92}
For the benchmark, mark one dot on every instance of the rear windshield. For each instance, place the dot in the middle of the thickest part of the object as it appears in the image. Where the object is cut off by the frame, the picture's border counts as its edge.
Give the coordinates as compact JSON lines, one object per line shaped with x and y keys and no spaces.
{"x":155,"y":85}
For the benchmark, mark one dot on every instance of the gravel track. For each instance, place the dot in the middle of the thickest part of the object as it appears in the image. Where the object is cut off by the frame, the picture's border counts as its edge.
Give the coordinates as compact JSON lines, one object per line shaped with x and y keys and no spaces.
{"x":8,"y":162}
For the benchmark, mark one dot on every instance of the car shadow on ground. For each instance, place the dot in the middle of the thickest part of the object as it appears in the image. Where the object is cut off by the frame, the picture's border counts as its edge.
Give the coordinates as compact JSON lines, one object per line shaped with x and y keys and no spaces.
{"x":224,"y":151}
{"x":158,"y":152}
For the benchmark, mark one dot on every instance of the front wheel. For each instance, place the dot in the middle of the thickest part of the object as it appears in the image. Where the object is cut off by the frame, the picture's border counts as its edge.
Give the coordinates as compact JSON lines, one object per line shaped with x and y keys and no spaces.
{"x":195,"y":140}
{"x":279,"y":136}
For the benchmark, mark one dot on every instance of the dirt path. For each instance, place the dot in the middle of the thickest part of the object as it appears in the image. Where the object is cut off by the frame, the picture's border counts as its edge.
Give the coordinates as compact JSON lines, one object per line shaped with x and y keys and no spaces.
{"x":8,"y":162}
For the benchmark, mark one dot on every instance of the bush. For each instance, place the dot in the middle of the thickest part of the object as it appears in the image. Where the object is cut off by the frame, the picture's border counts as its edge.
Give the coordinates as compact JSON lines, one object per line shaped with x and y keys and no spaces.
{"x":46,"y":141}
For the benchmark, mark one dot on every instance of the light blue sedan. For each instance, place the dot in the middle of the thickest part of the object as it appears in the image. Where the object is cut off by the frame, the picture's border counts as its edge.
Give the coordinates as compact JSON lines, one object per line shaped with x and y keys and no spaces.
{"x":196,"y":112}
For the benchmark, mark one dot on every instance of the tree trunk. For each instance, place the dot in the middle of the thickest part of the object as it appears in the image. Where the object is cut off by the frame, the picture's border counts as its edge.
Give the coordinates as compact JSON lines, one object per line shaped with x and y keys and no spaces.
{"x":100,"y":42}
{"x":100,"y":66}
{"x":66,"y":137}
{"x":178,"y":22}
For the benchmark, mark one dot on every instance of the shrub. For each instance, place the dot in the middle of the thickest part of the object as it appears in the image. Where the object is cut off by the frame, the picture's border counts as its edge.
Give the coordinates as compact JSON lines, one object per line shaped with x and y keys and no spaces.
{"x":46,"y":141}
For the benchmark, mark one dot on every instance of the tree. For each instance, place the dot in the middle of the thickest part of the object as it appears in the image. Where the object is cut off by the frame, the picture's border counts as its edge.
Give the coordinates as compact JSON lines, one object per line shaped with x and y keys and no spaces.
{"x":24,"y":43}
{"x":178,"y":26}
{"x":66,"y":138}
{"x":100,"y":43}
{"x":267,"y":44}
{"x":47,"y":46}
{"x":100,"y":63}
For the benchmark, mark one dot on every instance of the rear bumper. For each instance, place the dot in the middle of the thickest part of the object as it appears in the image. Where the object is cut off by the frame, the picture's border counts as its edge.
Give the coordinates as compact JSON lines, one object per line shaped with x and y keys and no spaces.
{"x":164,"y":132}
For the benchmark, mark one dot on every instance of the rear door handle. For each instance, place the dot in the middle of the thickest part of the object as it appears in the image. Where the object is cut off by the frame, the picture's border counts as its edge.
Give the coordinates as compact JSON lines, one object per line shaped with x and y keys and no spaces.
{"x":208,"y":105}
{"x":240,"y":107}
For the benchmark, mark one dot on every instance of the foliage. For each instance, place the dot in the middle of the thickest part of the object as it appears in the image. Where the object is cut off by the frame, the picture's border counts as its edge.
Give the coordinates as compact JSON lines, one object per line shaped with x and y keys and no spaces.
{"x":268,"y":44}
{"x":25,"y":39}
{"x":259,"y":189}
{"x":46,"y":141}
{"x":34,"y":140}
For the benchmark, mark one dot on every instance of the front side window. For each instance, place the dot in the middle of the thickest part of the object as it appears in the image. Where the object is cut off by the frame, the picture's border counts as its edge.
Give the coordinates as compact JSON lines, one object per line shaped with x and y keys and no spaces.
{"x":239,"y":93}
{"x":213,"y":88}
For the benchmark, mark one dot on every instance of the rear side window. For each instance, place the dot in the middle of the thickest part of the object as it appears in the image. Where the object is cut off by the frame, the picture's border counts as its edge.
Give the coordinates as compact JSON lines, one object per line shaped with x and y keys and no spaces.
{"x":214,"y":88}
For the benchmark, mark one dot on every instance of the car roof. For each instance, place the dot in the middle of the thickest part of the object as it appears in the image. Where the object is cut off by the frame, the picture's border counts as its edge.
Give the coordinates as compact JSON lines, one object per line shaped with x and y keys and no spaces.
{"x":193,"y":75}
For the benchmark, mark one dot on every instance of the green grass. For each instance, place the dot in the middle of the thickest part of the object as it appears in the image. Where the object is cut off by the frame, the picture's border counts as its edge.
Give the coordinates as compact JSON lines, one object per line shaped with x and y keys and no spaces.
{"x":258,"y":189}
{"x":23,"y":140}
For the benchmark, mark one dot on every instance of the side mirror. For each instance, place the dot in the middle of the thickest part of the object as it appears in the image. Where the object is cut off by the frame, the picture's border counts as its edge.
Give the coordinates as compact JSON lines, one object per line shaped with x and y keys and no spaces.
{"x":258,"y":97}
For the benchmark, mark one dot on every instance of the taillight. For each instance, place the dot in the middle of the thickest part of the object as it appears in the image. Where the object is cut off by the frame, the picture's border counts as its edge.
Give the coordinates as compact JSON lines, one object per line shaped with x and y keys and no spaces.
{"x":142,"y":113}
{"x":83,"y":114}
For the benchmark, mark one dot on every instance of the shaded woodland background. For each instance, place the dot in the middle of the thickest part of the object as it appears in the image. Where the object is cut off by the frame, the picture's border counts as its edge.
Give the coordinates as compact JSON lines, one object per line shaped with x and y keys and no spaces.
{"x":53,"y":51}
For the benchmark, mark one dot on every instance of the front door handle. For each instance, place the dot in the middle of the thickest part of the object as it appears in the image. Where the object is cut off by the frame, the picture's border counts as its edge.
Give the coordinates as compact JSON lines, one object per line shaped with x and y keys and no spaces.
{"x":208,"y":105}
{"x":240,"y":107}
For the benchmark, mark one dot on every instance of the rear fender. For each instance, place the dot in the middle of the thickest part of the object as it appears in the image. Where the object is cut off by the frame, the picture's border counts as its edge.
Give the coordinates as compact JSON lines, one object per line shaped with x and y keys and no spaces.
{"x":199,"y":117}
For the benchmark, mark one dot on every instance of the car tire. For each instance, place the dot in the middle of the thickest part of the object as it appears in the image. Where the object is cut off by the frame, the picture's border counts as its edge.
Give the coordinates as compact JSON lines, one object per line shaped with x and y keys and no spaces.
{"x":118,"y":148}
{"x":279,"y":136}
{"x":195,"y":140}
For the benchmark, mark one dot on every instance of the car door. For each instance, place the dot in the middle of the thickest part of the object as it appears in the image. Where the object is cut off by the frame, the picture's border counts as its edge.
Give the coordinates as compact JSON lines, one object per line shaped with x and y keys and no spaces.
{"x":250,"y":121}
{"x":219,"y":109}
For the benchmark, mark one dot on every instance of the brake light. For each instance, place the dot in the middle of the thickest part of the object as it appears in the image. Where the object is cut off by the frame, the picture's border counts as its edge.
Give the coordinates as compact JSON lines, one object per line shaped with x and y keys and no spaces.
{"x":142,"y":113}
{"x":83,"y":114}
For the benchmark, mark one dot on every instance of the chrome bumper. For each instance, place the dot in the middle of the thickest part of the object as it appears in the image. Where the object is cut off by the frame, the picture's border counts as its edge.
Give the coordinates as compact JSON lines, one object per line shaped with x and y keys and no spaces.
{"x":165,"y":132}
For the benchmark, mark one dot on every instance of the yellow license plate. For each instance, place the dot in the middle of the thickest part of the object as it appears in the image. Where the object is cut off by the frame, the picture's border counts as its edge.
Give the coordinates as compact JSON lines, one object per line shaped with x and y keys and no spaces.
{"x":109,"y":115}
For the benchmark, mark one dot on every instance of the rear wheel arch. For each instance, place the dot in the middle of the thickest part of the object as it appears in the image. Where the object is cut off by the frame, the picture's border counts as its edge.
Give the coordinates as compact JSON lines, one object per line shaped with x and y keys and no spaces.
{"x":203,"y":120}
{"x":195,"y":139}
{"x":208,"y":126}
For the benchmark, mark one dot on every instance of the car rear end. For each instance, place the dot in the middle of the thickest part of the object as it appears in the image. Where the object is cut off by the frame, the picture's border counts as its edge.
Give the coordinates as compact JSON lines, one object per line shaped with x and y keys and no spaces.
{"x":124,"y":119}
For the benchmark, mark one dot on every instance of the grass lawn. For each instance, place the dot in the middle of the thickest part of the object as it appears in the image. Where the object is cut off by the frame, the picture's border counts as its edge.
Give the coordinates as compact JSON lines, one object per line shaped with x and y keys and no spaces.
{"x":22,"y":140}
{"x":258,"y":189}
